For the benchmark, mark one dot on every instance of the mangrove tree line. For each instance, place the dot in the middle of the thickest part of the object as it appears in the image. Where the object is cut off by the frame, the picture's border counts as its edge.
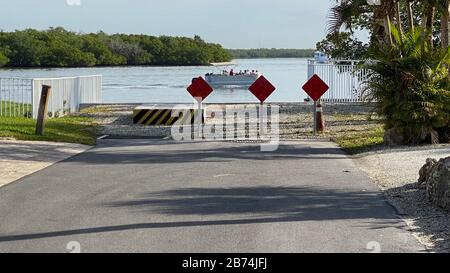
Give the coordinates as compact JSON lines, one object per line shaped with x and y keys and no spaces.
{"x":57,"y":47}
{"x":271,"y":53}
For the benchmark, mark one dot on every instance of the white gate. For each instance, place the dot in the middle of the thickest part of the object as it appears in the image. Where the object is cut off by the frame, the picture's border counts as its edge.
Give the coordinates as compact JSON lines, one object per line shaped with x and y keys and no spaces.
{"x":347,"y":80}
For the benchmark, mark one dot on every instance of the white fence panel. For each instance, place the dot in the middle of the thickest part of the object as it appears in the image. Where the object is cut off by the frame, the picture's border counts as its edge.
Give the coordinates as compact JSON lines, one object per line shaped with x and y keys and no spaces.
{"x":90,"y":89}
{"x":345,"y":79}
{"x":60,"y":100}
{"x":67,"y":94}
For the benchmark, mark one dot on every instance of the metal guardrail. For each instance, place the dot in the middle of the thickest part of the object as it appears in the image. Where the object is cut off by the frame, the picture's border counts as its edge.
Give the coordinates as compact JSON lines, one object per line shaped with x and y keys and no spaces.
{"x":20,"y":97}
{"x":346,"y":79}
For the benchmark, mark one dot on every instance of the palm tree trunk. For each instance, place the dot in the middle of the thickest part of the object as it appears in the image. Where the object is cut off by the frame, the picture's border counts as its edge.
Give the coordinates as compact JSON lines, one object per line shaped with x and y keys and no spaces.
{"x":389,"y":7}
{"x":387,"y":23}
{"x":429,"y":17}
{"x":399,"y":19}
{"x":428,"y":20}
{"x":382,"y":22}
{"x":379,"y":25}
{"x":445,"y":24}
{"x":410,"y":16}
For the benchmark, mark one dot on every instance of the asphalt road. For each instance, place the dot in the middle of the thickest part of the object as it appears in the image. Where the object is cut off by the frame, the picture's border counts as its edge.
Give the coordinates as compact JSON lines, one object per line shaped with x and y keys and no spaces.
{"x":157,"y":196}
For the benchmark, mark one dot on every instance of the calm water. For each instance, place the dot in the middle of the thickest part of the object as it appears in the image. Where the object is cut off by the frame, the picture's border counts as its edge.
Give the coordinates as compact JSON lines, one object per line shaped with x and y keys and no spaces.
{"x":168,"y":84}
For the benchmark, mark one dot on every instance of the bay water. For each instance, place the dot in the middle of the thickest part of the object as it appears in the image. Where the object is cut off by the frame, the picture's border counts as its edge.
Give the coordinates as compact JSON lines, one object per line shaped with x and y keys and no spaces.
{"x":168,"y":84}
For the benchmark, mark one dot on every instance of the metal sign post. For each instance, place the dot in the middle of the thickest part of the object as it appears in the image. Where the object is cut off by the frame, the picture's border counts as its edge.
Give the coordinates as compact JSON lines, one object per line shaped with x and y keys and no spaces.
{"x":200,"y":90}
{"x":261,"y":120}
{"x":262,"y":89}
{"x":315,"y":118}
{"x":199,"y":117}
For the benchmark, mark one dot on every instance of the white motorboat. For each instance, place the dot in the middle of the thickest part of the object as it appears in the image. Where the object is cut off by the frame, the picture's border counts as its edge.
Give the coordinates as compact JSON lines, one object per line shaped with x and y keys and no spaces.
{"x":321,"y":57}
{"x":232,"y":80}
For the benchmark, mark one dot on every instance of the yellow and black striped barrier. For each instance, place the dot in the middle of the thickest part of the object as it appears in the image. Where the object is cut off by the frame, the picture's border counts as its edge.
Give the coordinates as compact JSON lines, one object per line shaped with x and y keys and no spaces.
{"x":163,"y":116}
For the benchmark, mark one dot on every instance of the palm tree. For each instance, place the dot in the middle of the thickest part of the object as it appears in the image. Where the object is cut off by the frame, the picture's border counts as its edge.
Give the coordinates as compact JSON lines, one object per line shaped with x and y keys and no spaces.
{"x":409,"y":82}
{"x":344,"y":13}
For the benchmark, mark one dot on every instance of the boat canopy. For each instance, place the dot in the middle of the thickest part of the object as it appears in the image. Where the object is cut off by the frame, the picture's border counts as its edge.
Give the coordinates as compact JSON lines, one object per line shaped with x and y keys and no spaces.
{"x":222,"y":64}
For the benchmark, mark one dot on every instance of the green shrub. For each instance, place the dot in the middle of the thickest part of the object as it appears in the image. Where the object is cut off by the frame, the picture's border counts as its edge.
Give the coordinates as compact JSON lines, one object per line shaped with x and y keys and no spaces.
{"x":410,"y":81}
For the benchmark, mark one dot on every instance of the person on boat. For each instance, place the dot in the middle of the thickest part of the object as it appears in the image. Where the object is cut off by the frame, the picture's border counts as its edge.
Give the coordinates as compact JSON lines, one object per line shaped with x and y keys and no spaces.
{"x":232,"y":72}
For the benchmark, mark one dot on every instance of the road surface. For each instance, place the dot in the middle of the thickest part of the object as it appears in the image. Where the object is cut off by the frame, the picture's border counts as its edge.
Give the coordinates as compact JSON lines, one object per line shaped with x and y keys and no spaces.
{"x":132,"y":195}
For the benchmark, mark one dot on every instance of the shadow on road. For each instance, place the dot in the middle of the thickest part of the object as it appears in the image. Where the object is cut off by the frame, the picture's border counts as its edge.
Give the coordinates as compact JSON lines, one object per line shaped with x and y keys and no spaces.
{"x":279,"y":203}
{"x":243,"y":205}
{"x":162,"y":152}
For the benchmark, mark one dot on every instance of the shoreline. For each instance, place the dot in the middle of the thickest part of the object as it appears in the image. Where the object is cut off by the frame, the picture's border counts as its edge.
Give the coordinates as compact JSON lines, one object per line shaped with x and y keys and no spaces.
{"x":156,"y":65}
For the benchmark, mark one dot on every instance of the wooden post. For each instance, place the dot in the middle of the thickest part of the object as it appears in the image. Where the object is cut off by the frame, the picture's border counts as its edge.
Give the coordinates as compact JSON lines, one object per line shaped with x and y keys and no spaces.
{"x":43,"y":106}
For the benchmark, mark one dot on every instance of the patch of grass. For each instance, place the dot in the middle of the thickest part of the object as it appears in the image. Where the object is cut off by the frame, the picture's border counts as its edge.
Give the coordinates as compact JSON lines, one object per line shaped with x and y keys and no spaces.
{"x":96,"y":110}
{"x":70,"y":129}
{"x":354,"y":142}
{"x":12,"y":109}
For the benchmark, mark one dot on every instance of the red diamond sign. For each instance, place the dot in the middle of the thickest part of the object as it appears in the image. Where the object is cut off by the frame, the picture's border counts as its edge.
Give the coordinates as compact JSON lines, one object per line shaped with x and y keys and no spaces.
{"x":200,"y":89}
{"x":316,"y":87}
{"x":262,"y":89}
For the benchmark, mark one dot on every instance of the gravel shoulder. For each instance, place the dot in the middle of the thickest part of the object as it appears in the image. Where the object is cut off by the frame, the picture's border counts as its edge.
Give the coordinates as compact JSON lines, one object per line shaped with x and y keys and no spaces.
{"x":396,"y":172}
{"x":21,"y":158}
{"x":296,"y":120}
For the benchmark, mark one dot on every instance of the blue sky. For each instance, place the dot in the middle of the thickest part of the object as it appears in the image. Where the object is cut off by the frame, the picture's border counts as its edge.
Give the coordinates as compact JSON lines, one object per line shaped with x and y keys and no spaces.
{"x":234,"y":24}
